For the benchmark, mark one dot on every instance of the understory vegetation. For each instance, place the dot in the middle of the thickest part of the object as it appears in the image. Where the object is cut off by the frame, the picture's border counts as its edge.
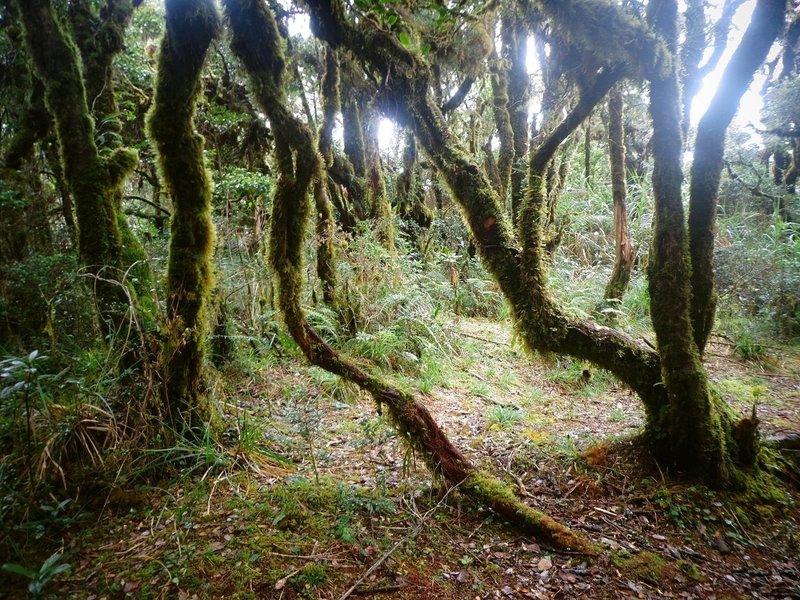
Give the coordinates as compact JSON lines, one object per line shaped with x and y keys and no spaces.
{"x":274,"y":467}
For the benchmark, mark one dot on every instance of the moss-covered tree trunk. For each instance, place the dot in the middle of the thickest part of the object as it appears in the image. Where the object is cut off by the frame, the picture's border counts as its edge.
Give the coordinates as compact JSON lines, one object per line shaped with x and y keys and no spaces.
{"x":623,"y":250}
{"x":502,"y":120}
{"x":765,"y":26}
{"x":698,"y":433}
{"x":691,"y":428}
{"x":191,"y":26}
{"x":100,"y":38}
{"x":95,"y":180}
{"x":255,"y":41}
{"x":515,"y":49}
{"x":542,"y":325}
{"x":410,"y":197}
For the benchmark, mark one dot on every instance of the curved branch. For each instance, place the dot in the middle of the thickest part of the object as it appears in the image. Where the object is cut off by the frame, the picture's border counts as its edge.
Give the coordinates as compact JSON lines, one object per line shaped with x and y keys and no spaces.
{"x":542,"y":324}
{"x":255,"y":42}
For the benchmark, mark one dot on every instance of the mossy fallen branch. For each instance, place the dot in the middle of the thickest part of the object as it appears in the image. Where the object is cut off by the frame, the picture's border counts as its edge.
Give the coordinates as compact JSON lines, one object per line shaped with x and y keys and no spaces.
{"x":255,"y":41}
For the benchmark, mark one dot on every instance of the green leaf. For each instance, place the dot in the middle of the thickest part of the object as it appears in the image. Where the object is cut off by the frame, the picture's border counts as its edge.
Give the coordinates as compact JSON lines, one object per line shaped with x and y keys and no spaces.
{"x":404,"y":39}
{"x":19,"y":570}
{"x":391,"y":19}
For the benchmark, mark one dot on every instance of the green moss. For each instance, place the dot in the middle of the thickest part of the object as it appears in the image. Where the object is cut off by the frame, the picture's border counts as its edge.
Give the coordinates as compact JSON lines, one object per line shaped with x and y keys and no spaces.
{"x":646,"y":566}
{"x":501,"y":498}
{"x":95,"y":182}
{"x":689,"y":569}
{"x":191,"y":27}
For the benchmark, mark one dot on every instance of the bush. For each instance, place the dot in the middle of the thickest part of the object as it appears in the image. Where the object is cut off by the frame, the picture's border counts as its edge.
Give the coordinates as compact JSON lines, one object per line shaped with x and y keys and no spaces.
{"x":44,"y":298}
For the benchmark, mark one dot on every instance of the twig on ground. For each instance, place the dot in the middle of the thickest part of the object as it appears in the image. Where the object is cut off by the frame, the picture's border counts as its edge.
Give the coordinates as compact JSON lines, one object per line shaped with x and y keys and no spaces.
{"x":423,"y":519}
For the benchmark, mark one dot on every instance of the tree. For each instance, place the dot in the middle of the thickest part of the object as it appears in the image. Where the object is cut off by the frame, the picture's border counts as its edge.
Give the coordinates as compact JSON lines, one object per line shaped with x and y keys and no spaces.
{"x":690,"y":428}
{"x":191,"y":27}
{"x":95,"y":178}
{"x":623,"y":262}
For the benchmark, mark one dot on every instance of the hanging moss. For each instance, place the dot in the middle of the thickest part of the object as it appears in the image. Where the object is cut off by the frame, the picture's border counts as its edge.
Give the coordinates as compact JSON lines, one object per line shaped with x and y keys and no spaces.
{"x":191,"y":26}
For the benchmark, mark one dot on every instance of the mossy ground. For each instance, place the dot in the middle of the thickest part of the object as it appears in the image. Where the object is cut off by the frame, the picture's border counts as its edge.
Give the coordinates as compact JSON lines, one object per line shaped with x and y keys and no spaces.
{"x":313,"y":487}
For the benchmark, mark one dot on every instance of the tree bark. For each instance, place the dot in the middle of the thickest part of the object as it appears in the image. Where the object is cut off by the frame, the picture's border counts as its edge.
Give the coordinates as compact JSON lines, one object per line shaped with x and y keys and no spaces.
{"x":707,"y":166}
{"x":701,"y":437}
{"x":296,"y":156}
{"x":623,"y":253}
{"x":191,"y":26}
{"x":515,"y":49}
{"x":95,"y":181}
{"x":542,"y":324}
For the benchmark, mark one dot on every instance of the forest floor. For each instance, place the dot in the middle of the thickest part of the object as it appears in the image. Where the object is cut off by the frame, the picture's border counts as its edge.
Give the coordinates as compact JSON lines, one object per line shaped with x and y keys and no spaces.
{"x":316,"y":497}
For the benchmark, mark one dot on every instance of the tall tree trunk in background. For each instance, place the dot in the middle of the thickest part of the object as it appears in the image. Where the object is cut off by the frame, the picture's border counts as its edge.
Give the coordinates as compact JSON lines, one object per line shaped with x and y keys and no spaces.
{"x":623,"y":254}
{"x":587,"y":152}
{"x":380,"y":208}
{"x":765,"y":26}
{"x":515,"y":50}
{"x":326,"y":224}
{"x":95,"y":181}
{"x":191,"y":26}
{"x":502,"y":120}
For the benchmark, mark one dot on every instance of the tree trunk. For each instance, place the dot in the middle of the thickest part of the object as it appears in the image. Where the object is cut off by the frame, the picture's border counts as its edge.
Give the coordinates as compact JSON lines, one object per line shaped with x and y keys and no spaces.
{"x":700,"y":436}
{"x":502,"y":119}
{"x":515,"y":49}
{"x":255,"y":41}
{"x":381,"y":209}
{"x":95,"y":181}
{"x":623,"y":261}
{"x":191,"y":26}
{"x":690,"y":428}
{"x":707,"y":166}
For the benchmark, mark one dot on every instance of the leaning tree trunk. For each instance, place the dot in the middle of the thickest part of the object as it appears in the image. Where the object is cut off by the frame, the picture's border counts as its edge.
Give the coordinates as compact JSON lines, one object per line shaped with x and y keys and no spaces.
{"x":95,"y":180}
{"x":191,"y":26}
{"x":623,"y":261}
{"x":766,"y":24}
{"x":543,"y":326}
{"x":255,"y":41}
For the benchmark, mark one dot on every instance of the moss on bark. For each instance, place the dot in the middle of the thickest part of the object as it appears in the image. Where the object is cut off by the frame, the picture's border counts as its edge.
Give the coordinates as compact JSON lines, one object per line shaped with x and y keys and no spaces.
{"x":765,"y":26}
{"x":623,"y":251}
{"x":191,"y":26}
{"x":515,"y":46}
{"x":296,"y":157}
{"x":502,"y":120}
{"x":696,"y":433}
{"x":95,"y":181}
